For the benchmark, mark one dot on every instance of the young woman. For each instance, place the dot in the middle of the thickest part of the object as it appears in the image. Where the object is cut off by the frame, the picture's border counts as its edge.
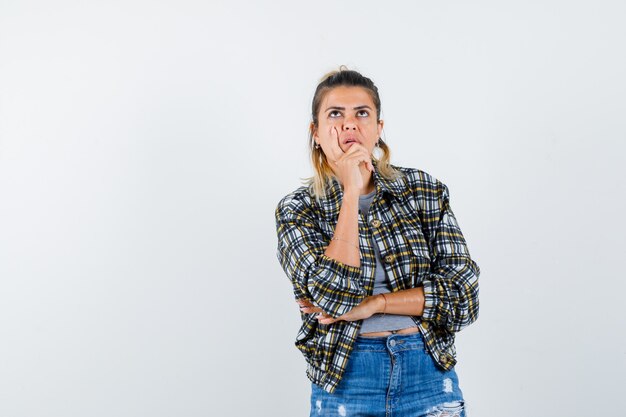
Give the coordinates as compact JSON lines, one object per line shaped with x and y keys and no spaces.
{"x":378,"y":265}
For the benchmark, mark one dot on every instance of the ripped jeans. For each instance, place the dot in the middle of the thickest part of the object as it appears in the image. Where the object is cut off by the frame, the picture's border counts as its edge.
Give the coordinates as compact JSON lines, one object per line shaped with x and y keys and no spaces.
{"x":391,"y":376}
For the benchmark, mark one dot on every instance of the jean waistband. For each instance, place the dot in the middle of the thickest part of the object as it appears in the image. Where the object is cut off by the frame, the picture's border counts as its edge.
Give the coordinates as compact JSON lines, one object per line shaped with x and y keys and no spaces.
{"x":406,"y":341}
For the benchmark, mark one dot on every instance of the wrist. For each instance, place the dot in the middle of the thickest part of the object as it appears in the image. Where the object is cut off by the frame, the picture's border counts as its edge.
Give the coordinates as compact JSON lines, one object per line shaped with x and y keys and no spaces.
{"x":351,"y":193}
{"x":380,"y":303}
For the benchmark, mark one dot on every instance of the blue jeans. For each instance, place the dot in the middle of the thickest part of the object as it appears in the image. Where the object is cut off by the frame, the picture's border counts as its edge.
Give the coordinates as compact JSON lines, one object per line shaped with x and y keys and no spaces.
{"x":391,"y":376}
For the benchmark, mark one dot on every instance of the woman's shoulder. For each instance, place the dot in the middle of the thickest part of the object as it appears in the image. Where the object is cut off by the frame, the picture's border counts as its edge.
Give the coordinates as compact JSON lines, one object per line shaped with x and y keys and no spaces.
{"x":298,"y":200}
{"x":301,"y":201}
{"x":417,"y":177}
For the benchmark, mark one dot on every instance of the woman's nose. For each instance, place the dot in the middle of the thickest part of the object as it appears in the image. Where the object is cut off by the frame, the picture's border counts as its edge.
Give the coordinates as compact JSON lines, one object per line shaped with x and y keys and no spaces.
{"x":349,"y":124}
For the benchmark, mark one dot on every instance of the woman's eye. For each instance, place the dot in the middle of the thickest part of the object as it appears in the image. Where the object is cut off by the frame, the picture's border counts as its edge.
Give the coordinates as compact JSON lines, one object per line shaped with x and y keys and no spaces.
{"x":334,"y":113}
{"x":363,"y":113}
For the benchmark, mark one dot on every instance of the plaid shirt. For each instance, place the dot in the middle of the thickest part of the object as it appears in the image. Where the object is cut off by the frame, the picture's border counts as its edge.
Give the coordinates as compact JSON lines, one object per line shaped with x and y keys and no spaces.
{"x":420,"y":244}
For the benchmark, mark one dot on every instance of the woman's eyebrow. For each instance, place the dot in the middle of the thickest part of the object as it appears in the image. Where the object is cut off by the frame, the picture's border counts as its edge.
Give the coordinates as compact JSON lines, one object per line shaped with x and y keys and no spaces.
{"x":354,"y":108}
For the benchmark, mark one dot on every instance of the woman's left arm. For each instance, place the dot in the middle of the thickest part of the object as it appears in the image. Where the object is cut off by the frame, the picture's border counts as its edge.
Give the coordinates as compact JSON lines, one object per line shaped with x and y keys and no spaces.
{"x":451,"y":287}
{"x":449,"y":296}
{"x":408,"y":302}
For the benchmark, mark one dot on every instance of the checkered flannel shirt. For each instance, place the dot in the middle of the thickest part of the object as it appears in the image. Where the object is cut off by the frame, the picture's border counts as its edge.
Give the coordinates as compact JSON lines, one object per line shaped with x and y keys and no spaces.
{"x":420,"y":244}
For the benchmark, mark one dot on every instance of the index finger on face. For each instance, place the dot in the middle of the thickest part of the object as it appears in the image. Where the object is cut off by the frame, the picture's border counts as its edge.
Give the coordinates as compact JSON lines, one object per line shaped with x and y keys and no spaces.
{"x":334,"y":143}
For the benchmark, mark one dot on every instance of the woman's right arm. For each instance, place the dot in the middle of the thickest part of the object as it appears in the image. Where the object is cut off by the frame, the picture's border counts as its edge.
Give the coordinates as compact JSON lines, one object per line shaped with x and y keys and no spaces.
{"x":345,"y":244}
{"x":327,"y":273}
{"x":344,"y":247}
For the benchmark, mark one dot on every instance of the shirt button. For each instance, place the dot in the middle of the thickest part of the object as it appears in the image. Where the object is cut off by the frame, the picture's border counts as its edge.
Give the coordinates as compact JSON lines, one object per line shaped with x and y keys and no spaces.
{"x":392,"y":343}
{"x":389,"y":258}
{"x":375,"y":223}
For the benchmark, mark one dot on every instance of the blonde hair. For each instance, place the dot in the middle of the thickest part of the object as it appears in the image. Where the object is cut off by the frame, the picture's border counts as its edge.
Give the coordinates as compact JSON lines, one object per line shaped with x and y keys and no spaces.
{"x":323,"y":175}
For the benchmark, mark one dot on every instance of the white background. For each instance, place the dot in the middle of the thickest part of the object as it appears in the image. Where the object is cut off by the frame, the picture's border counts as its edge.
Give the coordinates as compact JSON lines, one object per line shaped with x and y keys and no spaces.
{"x":145,"y":144}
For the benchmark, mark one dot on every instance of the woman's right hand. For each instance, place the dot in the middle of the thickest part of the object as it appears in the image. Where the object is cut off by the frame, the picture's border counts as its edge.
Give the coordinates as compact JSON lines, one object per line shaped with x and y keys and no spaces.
{"x":345,"y":165}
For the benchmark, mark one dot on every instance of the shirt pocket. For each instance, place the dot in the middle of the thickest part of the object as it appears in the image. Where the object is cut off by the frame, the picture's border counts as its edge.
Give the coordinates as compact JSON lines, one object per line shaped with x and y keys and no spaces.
{"x":418,"y":264}
{"x":415,"y":238}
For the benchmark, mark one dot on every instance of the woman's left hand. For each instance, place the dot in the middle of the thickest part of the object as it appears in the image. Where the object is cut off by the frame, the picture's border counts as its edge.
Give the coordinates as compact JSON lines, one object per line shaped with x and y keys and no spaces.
{"x":368,"y":307}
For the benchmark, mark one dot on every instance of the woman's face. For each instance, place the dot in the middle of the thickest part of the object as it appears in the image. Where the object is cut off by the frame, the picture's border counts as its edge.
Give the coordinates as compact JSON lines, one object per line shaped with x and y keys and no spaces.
{"x":347,"y":115}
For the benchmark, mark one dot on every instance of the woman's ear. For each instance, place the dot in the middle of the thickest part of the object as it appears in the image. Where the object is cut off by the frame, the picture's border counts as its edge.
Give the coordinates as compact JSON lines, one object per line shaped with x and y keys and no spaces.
{"x":381,"y":123}
{"x":313,"y":131}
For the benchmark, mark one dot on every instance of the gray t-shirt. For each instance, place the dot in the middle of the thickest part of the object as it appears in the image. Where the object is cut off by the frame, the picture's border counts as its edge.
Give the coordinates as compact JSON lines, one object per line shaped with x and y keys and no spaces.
{"x":380,"y":322}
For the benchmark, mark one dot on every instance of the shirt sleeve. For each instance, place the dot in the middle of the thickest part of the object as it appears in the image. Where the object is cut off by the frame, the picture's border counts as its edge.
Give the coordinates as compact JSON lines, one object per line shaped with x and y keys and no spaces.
{"x":330,"y":284}
{"x":451,"y":287}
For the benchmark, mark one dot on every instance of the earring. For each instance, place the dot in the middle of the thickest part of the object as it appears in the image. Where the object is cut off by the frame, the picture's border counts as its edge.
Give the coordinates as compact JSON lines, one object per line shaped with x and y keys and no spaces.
{"x":317,"y":145}
{"x":377,"y":152}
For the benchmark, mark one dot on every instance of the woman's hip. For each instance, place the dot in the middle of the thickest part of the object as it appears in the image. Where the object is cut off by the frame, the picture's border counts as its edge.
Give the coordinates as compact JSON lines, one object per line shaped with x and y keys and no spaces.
{"x":394,"y":372}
